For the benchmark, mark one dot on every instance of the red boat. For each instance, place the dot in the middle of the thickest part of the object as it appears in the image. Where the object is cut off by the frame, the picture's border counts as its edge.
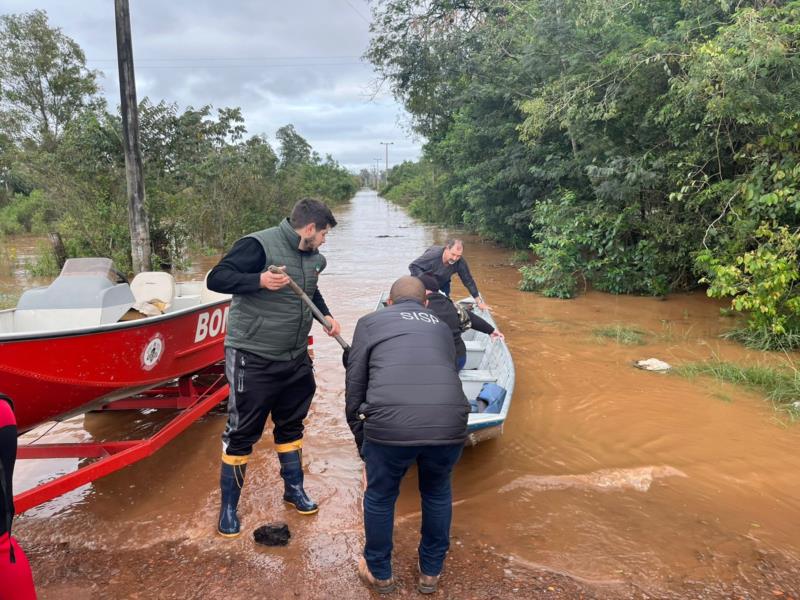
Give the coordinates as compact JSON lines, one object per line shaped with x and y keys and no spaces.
{"x":68,"y":348}
{"x":91,"y":340}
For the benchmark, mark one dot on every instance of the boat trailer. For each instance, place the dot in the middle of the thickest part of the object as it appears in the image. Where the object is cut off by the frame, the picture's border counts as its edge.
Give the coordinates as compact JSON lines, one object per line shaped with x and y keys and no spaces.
{"x":192,"y":394}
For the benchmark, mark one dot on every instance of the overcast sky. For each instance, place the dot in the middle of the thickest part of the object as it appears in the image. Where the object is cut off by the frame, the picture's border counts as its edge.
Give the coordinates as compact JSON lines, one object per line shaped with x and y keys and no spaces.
{"x":282,"y":62}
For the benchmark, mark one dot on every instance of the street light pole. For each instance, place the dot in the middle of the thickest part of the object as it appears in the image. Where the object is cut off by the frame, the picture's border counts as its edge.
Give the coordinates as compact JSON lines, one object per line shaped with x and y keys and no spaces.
{"x":377,"y":172}
{"x":386,"y":161}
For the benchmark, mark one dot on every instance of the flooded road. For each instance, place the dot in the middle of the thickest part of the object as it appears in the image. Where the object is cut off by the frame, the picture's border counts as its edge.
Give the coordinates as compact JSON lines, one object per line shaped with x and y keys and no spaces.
{"x":17,"y":254}
{"x":608,"y":482}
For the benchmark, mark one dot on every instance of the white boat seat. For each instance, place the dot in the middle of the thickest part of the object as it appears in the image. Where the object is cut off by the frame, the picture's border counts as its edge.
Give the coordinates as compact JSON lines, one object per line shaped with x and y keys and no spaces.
{"x":472,"y":381}
{"x":476,"y":344}
{"x":151,"y":287}
{"x":207,"y":296}
{"x":481,"y":375}
{"x":475,"y":352}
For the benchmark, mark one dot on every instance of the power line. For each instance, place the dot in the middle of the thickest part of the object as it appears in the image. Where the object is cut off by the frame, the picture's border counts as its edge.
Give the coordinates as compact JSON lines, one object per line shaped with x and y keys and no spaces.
{"x":328,"y":56}
{"x":358,"y":12}
{"x":140,"y":66}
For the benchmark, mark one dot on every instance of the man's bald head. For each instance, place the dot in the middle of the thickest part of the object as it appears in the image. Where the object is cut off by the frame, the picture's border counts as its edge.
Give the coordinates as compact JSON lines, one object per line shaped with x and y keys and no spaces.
{"x":407,"y":288}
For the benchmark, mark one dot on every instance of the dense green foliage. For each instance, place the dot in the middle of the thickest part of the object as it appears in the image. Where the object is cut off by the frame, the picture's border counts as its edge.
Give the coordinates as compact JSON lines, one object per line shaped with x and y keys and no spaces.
{"x":62,"y":166}
{"x":413,"y":185}
{"x":638,"y":147}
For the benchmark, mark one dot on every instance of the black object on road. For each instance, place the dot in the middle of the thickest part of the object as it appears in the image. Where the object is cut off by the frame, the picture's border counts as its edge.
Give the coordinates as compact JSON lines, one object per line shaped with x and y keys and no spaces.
{"x":272,"y":534}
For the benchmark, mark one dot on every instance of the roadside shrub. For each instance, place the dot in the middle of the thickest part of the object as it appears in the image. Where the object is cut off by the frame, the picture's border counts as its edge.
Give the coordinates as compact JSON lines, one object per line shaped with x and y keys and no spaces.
{"x":30,"y":213}
{"x":753,"y":254}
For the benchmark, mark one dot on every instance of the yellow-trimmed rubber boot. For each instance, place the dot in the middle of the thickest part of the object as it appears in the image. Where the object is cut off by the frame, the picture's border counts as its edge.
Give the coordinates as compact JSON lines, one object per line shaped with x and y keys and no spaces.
{"x":231,"y":481}
{"x":291,"y":457}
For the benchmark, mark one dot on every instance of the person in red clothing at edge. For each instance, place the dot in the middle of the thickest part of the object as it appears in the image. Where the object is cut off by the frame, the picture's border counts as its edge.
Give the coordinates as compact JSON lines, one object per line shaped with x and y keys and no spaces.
{"x":16,"y":580}
{"x":266,"y":351}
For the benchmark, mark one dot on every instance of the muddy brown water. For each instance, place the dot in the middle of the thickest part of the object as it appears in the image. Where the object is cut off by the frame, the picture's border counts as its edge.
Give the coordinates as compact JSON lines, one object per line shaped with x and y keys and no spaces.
{"x":17,"y":254}
{"x":607,"y":482}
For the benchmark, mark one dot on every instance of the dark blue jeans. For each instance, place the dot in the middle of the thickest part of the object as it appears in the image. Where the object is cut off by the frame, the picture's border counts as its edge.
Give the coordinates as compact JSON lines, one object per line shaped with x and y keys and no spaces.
{"x":386,"y":466}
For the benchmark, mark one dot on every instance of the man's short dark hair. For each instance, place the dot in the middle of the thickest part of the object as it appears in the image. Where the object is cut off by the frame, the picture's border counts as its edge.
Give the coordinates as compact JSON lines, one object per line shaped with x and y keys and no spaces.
{"x":407,"y":287}
{"x":452,"y":242}
{"x":309,"y":210}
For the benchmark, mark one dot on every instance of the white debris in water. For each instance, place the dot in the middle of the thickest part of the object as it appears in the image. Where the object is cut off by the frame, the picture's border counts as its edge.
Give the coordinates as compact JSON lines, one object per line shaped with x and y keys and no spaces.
{"x":638,"y":478}
{"x":652,"y":364}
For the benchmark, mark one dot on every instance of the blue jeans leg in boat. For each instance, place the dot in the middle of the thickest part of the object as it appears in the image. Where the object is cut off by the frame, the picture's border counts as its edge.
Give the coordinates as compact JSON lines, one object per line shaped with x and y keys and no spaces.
{"x":386,"y":466}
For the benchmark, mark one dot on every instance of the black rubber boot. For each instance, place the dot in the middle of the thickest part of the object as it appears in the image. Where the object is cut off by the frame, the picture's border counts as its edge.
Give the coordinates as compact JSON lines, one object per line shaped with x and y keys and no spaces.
{"x":292,"y":473}
{"x":231,"y":480}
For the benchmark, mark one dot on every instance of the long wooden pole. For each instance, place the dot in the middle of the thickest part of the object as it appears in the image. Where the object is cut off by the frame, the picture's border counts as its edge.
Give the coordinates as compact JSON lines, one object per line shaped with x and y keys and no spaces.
{"x":137,"y":215}
{"x":314,"y":310}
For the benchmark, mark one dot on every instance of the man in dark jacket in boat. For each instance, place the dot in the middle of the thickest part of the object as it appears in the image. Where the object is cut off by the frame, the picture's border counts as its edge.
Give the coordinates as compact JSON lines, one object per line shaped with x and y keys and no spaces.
{"x":456,"y":317}
{"x":266,"y":359}
{"x":405,"y":404}
{"x":442,"y":262}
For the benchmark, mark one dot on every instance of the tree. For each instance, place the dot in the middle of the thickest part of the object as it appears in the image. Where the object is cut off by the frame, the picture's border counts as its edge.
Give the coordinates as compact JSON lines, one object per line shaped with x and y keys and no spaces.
{"x":44,"y":81}
{"x":365,"y":178}
{"x":62,"y":166}
{"x":639,"y":145}
{"x":294,"y":149}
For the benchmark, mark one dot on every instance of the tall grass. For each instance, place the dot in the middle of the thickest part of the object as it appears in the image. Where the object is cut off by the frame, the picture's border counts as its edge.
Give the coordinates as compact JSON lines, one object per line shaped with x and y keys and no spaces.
{"x":781,"y":386}
{"x":521,"y":257}
{"x":672,"y":333}
{"x":765,"y":339}
{"x":626,"y":336}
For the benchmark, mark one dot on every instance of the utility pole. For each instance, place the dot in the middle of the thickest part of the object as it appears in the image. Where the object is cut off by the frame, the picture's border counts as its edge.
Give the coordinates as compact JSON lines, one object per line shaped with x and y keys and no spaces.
{"x":386,"y":161}
{"x":137,"y":216}
{"x":377,"y":173}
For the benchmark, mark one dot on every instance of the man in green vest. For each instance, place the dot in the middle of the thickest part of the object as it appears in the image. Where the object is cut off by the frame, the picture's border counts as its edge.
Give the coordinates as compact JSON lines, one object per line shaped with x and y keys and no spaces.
{"x":266,"y":355}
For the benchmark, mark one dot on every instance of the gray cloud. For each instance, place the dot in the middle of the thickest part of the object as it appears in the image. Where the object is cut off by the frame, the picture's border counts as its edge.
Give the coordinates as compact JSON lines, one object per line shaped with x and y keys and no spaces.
{"x":280,"y":62}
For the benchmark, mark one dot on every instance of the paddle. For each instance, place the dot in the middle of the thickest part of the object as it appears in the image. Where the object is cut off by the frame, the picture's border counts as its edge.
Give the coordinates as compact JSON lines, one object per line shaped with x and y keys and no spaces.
{"x":314,"y":310}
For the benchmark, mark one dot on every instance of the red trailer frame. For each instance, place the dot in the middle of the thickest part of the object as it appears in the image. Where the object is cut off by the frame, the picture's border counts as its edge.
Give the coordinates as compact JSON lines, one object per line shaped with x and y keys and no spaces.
{"x":194,"y":394}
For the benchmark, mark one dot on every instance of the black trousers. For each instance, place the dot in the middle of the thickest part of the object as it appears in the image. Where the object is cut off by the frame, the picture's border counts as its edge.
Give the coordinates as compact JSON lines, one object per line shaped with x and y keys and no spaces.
{"x":260,"y":387}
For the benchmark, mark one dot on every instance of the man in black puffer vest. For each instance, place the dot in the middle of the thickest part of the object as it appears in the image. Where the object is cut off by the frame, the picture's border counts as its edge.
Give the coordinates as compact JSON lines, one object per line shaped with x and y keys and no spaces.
{"x":405,"y":404}
{"x":266,"y":351}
